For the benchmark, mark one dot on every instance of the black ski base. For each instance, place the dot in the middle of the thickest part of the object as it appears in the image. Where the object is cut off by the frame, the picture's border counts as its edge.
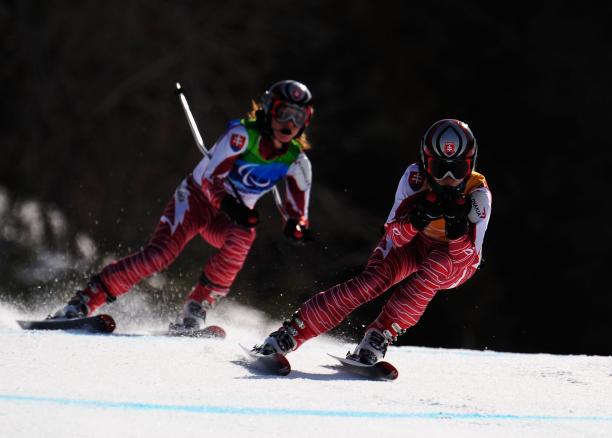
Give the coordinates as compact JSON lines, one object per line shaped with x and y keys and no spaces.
{"x":90,"y":324}
{"x":212,"y":331}
{"x":274,"y":363}
{"x":381,"y":370}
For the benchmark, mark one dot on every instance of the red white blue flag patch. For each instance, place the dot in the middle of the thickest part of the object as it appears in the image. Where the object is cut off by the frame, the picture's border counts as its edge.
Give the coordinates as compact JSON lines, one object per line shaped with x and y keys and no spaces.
{"x":415,"y":180}
{"x":237,"y":142}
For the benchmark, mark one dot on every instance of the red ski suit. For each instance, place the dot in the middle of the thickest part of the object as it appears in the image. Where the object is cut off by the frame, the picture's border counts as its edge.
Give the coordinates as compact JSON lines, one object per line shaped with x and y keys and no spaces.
{"x":194,"y":209}
{"x":419,"y":263}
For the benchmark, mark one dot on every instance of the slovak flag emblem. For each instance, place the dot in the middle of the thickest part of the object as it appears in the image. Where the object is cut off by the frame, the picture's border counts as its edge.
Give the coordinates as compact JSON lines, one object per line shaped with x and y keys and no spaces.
{"x":415,"y":180}
{"x":237,"y":142}
{"x":449,"y":148}
{"x":296,"y":93}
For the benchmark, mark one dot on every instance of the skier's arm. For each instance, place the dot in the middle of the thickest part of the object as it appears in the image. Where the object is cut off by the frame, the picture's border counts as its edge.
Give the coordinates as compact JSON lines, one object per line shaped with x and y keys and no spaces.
{"x":297,"y":189}
{"x":212,"y":170}
{"x":400,"y":232}
{"x":398,"y":227}
{"x":297,"y":198}
{"x":467,"y":250}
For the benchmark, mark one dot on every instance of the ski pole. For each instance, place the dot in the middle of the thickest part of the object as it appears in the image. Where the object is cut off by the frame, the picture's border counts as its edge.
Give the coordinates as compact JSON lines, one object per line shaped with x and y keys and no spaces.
{"x":192,"y":124}
{"x":200,"y":144}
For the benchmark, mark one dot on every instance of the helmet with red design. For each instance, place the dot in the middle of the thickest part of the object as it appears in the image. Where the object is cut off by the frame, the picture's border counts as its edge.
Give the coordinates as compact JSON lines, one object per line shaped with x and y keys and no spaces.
{"x":288,"y":100}
{"x":448,"y":148}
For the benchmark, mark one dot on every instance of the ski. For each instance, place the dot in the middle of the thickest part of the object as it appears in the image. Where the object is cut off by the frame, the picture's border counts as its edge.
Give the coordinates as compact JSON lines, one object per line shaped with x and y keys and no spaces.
{"x":381,"y":370}
{"x":274,"y":363}
{"x":212,"y":331}
{"x":90,"y":324}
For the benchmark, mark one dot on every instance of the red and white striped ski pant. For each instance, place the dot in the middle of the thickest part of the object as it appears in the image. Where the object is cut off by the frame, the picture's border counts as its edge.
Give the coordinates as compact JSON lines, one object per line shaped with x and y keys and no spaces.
{"x":188,"y":213}
{"x":419,"y":269}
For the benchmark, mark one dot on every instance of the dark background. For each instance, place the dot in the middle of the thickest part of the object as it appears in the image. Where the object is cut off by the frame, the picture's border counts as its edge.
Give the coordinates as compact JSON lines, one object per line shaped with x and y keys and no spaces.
{"x":90,"y":127}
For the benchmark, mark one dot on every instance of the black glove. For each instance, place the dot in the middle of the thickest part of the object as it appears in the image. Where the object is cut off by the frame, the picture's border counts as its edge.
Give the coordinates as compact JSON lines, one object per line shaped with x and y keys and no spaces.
{"x":297,"y":233}
{"x":427,"y":207}
{"x":239,"y":212}
{"x":457,"y":206}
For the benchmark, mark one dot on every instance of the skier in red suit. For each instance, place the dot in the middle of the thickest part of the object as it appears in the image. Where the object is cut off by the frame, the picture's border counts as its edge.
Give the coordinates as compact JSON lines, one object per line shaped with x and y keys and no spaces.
{"x":217,"y":201}
{"x":433,"y":241}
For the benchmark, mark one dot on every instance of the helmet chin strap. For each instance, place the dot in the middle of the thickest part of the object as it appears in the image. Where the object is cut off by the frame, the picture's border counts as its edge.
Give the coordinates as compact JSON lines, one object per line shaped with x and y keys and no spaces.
{"x":263,"y":122}
{"x":300,"y":132}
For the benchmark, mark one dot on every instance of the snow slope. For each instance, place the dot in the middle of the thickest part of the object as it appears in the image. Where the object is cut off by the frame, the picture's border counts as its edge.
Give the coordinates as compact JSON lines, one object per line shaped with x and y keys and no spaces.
{"x":130,"y":385}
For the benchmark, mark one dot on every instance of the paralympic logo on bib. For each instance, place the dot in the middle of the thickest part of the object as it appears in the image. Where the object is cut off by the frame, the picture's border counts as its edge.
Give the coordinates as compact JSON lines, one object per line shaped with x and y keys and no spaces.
{"x":256,"y":177}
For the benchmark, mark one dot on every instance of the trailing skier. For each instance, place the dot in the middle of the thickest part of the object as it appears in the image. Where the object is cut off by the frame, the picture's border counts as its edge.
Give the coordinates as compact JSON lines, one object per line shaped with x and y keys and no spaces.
{"x":217,"y":201}
{"x":433,"y":241}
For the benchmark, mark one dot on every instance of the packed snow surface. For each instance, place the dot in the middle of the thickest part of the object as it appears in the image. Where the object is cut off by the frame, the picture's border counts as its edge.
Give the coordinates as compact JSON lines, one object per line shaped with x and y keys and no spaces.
{"x":133,"y":384}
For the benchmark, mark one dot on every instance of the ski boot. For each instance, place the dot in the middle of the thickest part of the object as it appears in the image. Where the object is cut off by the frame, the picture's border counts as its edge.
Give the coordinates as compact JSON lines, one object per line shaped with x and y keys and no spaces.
{"x":204,"y":297}
{"x":372,"y":347}
{"x":191,"y":318}
{"x":283,"y":340}
{"x":280,"y":341}
{"x":84,"y":302}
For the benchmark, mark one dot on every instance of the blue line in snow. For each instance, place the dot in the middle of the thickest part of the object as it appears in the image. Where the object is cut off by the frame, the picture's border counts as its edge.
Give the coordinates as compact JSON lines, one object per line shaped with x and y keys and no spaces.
{"x":237,"y":410}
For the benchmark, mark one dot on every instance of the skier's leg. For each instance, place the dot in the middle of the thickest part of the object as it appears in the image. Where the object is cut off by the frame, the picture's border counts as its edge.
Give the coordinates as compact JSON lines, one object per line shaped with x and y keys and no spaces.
{"x":411,"y":297}
{"x":327,"y":309}
{"x":405,"y":306}
{"x":219,"y":272}
{"x":234,"y":243}
{"x":184,"y":215}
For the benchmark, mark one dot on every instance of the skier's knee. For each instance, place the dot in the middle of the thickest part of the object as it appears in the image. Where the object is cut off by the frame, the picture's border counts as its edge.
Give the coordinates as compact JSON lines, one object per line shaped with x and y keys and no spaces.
{"x":441,"y":263}
{"x":372,"y":283}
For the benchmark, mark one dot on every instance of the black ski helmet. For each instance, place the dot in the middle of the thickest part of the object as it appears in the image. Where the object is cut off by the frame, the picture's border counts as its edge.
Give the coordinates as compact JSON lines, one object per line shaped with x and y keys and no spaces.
{"x":290,"y":91}
{"x":448,"y":146}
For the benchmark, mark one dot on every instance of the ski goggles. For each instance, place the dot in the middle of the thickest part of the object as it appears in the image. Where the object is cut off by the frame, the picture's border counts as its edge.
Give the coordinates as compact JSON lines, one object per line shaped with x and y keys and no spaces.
{"x":284,"y":112}
{"x":456,"y":169}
